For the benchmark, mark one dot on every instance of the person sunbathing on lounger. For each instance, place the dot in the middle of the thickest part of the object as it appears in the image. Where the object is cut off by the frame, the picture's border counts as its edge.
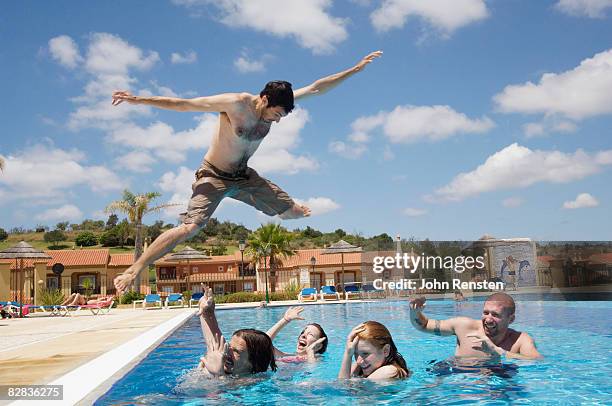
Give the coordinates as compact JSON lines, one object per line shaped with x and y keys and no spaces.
{"x":248,"y":352}
{"x":76,"y":299}
{"x":311,"y":342}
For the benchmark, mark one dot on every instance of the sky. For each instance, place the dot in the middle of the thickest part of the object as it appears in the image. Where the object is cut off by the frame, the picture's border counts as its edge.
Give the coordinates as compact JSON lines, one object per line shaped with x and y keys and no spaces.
{"x":481,"y":117}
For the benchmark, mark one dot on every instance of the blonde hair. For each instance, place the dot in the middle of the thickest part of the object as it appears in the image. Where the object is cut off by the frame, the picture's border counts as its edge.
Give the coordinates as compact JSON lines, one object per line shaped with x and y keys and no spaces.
{"x":379,"y":335}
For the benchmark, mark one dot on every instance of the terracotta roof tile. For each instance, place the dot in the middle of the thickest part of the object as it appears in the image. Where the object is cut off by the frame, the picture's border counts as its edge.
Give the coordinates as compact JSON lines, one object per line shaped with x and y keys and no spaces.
{"x":97,"y":257}
{"x":121,"y":259}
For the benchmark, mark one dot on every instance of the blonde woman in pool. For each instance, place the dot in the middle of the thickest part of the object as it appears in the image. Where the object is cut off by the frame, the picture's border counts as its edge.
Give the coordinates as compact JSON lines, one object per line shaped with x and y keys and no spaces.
{"x":376,"y":356}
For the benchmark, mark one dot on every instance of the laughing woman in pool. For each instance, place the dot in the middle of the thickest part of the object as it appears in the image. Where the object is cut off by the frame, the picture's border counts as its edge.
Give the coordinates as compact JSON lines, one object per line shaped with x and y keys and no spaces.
{"x":311,"y":343}
{"x":375,"y":353}
{"x":248,"y":352}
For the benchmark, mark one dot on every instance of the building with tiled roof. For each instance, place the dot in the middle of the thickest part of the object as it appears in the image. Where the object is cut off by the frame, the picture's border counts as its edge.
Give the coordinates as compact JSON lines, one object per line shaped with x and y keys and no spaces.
{"x":97,"y":265}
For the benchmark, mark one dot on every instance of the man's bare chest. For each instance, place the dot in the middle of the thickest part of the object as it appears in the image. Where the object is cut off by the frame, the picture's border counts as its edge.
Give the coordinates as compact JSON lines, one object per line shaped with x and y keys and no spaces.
{"x":251,"y":130}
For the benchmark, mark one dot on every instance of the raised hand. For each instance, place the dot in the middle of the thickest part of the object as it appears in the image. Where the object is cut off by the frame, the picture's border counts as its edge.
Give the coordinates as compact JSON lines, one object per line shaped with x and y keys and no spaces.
{"x":206,"y":305}
{"x":215,"y":356}
{"x":418,"y":303}
{"x":122,"y":282}
{"x":353,"y":339}
{"x":367,"y":59}
{"x":312,"y":348}
{"x":293,"y":313}
{"x":123,"y":95}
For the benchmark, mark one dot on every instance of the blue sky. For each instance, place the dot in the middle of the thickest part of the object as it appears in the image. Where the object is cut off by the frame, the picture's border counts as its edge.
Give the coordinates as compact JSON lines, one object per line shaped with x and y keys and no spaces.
{"x":481,"y":117}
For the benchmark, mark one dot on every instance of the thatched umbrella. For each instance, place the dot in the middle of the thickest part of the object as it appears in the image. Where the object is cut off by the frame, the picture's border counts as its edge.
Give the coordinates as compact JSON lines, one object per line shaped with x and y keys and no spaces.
{"x":19,"y":252}
{"x":187,"y":254}
{"x":341,"y":247}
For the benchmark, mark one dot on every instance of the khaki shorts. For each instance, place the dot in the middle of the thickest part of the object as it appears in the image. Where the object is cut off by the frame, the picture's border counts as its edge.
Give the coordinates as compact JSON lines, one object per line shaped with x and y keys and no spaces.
{"x":212,"y":185}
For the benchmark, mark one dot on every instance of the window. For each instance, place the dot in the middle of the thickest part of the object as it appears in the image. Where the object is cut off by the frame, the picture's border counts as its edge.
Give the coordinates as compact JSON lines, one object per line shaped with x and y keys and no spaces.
{"x":315,"y":280}
{"x":220,"y":268}
{"x":52,"y":282}
{"x":219,"y":288}
{"x":167,"y":273}
{"x":229,"y":268}
{"x":194,"y":269}
{"x":167,"y":289}
{"x":248,"y":287}
{"x":82,"y":279}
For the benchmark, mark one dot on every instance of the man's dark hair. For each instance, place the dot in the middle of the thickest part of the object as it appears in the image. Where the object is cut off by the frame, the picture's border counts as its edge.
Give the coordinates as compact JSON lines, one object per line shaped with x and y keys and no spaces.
{"x":260,"y":348}
{"x":505,"y":299}
{"x":323,"y":347}
{"x":279,"y":93}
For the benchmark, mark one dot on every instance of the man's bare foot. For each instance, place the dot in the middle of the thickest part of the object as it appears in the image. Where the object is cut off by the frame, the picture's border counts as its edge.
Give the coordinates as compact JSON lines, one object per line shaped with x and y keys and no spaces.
{"x":295,"y":212}
{"x":122,"y":282}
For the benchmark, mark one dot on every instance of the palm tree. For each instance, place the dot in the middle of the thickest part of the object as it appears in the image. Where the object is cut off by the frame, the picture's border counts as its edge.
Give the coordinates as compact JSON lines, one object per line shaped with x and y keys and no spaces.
{"x":273,"y":241}
{"x":136,"y":207}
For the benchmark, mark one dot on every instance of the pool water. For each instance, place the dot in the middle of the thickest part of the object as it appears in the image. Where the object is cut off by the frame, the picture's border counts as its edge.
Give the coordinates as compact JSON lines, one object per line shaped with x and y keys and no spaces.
{"x":574,"y":336}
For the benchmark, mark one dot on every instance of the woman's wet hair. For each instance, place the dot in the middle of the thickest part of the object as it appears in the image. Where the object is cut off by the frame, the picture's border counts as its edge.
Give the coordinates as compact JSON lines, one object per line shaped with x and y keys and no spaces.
{"x":279,"y":93}
{"x":379,"y":336}
{"x":260,"y":348}
{"x":322,"y":334}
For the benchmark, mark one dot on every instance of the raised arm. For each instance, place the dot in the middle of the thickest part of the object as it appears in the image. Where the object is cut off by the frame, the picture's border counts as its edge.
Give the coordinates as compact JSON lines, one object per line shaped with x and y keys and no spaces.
{"x":293,"y":313}
{"x":215,"y":343}
{"x":427,"y":325}
{"x":216,"y":103}
{"x":323,"y":85}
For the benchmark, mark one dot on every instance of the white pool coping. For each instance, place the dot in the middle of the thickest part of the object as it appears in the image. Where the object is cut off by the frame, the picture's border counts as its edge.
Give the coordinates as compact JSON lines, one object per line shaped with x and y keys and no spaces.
{"x":82,"y":382}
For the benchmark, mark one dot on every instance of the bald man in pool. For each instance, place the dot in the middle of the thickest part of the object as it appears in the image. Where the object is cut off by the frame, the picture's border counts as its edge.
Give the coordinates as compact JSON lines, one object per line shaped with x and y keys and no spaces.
{"x":244,"y":121}
{"x":488,"y":338}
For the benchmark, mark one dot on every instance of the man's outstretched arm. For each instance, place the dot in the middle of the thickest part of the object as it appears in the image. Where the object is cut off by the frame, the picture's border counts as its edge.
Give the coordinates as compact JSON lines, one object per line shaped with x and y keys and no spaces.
{"x":427,"y":325}
{"x":216,"y":103}
{"x":323,"y":85}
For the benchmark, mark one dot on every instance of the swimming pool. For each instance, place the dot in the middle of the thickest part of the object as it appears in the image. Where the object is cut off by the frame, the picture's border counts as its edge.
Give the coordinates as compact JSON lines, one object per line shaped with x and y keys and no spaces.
{"x":574,"y":336}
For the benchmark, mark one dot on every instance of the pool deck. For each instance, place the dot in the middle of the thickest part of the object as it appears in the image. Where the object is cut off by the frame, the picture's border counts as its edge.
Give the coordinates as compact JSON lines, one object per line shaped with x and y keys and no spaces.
{"x":53,"y":350}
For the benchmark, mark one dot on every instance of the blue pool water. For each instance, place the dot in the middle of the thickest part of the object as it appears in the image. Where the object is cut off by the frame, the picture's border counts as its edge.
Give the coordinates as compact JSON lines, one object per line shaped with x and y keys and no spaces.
{"x":574,"y":336}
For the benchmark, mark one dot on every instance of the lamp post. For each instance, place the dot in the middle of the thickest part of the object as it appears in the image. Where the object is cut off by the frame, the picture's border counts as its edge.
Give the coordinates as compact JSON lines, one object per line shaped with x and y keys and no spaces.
{"x":313,"y":262}
{"x":266,"y":273}
{"x":241,"y":247}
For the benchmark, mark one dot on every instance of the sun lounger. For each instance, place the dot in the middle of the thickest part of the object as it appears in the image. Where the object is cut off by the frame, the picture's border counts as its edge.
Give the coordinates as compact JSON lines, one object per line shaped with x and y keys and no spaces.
{"x":195,"y":298}
{"x":372,"y":293}
{"x":352,"y":292}
{"x":308,"y":295}
{"x":49,"y":310}
{"x":175,"y":298}
{"x":151,"y":298}
{"x":101,"y":307}
{"x":329,"y":293}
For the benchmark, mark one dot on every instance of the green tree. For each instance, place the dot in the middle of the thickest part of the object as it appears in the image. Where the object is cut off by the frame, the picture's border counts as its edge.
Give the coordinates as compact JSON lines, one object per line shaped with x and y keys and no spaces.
{"x":86,"y":239}
{"x":54,"y":237}
{"x":112,"y":221}
{"x":136,"y":207}
{"x":3,"y":234}
{"x":273,"y":242}
{"x":62,"y":225}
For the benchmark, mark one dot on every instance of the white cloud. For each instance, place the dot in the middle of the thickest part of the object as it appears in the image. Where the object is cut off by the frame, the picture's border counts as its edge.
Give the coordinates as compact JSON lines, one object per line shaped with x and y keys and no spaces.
{"x":319,"y":205}
{"x":584,"y":8}
{"x":407,"y":124}
{"x":179,"y":185}
{"x":347,"y":150}
{"x":47,"y":172}
{"x":65,"y":51}
{"x":108,"y":61}
{"x":67,"y":212}
{"x":577,"y":94}
{"x":246,"y":65}
{"x":136,"y":161}
{"x":161,"y":139}
{"x":445,"y":16}
{"x":187,"y":58}
{"x":109,"y":54}
{"x":583,"y":200}
{"x":274,"y":153}
{"x":306,"y":21}
{"x":518,"y":167}
{"x":548,"y":125}
{"x":513,"y":202}
{"x":414,"y":212}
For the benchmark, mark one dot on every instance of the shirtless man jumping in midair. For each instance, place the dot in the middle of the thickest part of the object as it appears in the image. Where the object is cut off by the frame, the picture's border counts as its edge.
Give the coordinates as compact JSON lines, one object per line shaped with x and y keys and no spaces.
{"x":244,"y":120}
